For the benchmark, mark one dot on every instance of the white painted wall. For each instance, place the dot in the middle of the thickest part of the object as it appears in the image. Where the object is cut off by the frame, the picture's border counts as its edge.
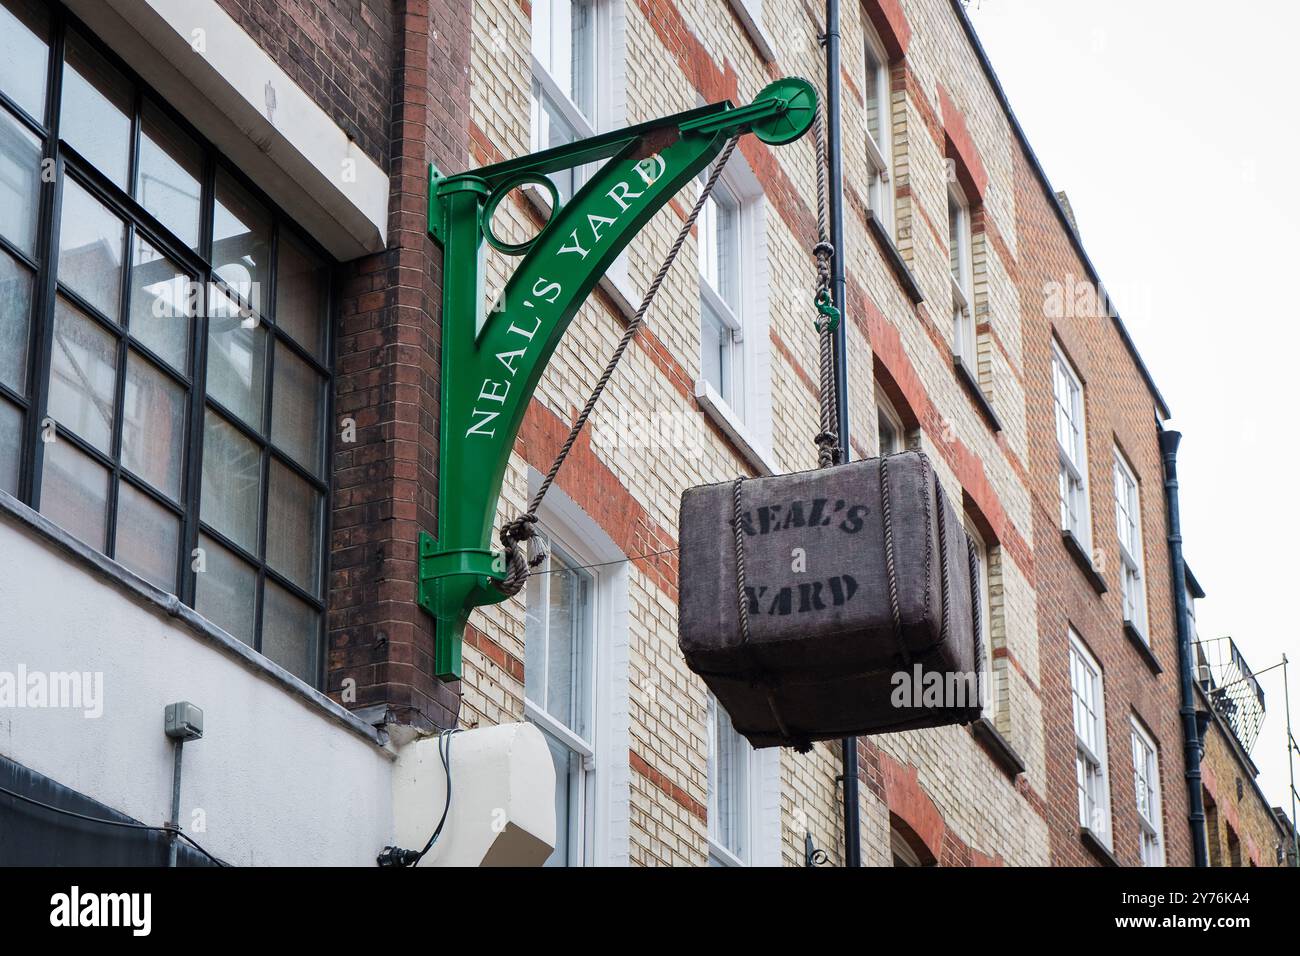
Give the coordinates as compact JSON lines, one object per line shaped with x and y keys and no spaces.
{"x":278,"y":781}
{"x":282,"y":775}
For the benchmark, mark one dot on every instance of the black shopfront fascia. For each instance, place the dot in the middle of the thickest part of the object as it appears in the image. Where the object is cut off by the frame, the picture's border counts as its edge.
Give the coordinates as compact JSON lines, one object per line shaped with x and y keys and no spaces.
{"x":66,"y":162}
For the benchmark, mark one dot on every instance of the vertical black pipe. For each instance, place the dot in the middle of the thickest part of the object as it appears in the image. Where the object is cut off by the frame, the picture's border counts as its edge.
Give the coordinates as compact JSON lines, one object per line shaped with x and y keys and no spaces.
{"x":1187,"y":700}
{"x":835,"y":161}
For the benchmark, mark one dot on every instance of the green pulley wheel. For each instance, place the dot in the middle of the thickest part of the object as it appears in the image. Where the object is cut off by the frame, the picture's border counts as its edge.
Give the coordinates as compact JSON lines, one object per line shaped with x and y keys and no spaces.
{"x":800,"y":101}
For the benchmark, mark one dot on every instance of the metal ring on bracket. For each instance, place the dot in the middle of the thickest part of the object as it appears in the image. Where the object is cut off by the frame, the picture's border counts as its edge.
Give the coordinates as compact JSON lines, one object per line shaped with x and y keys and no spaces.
{"x":494,"y":200}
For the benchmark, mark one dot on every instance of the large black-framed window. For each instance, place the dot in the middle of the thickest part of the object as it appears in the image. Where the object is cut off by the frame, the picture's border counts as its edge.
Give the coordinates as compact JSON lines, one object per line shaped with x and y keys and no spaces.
{"x":165,"y":357}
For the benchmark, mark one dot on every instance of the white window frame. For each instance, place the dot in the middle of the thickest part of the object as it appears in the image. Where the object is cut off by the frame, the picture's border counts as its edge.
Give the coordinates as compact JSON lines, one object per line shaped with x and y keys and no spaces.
{"x":886,"y":415}
{"x":607,"y":787}
{"x":901,"y":851}
{"x":761,"y":806}
{"x":720,"y":854}
{"x":731,"y":318}
{"x":1092,"y":774}
{"x":987,"y":708}
{"x":750,"y":406}
{"x":1128,"y":525}
{"x":962,"y":282}
{"x":1070,"y":412}
{"x":580,"y":817}
{"x":607,"y":88}
{"x":1146,"y":778}
{"x":880,"y":153}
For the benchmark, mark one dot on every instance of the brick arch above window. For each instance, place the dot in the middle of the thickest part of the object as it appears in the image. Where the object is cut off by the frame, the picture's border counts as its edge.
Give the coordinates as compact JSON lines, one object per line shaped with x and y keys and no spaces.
{"x":911,"y":810}
{"x":897,"y":392}
{"x":891,"y":25}
{"x":987,"y":526}
{"x":912,"y":841}
{"x":959,"y":149}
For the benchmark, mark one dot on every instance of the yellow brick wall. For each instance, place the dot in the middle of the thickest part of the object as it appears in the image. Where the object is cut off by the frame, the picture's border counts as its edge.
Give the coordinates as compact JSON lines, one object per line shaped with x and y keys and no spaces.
{"x":1249,"y":817}
{"x":978,"y":803}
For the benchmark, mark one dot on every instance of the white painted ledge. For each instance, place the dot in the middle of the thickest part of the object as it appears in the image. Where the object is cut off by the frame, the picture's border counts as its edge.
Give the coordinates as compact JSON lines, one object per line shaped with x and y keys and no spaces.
{"x":722,"y":414}
{"x":502,"y":810}
{"x":752,"y":20}
{"x":251,"y":110}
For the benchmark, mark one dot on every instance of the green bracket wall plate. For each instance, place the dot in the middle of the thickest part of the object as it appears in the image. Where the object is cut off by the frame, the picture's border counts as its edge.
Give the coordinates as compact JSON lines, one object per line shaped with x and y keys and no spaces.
{"x":492,"y":359}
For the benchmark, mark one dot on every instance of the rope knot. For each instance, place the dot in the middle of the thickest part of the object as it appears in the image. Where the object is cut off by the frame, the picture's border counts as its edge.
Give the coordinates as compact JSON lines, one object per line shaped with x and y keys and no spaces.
{"x":828,"y":448}
{"x":513,"y":534}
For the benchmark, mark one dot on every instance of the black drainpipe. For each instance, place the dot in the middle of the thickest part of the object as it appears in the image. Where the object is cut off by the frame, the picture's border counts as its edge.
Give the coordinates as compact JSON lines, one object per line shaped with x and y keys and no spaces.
{"x":1187,"y":700}
{"x":834,"y":153}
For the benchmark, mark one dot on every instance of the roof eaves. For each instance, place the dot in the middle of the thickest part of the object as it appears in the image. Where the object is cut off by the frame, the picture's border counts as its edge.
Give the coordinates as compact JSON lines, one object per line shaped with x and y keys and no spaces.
{"x":1001,"y":94}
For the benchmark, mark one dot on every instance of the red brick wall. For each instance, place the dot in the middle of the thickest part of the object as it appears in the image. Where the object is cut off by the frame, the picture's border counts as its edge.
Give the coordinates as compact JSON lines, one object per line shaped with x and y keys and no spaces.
{"x":1240,"y":808}
{"x":1120,"y":409}
{"x":393,"y":74}
{"x":340,"y":51}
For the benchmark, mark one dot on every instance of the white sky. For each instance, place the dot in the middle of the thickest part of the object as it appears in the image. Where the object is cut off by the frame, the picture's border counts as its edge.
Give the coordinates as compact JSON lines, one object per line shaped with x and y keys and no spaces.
{"x":1173,"y":128}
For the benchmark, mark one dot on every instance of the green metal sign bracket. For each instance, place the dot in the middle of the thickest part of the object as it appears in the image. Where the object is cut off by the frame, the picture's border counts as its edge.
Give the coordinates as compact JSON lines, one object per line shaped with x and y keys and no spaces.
{"x":493,"y":358}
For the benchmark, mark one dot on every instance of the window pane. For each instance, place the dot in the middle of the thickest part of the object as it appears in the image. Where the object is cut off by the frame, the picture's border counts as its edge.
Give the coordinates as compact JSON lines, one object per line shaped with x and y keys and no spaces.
{"x":15,"y":310}
{"x":535,"y":633}
{"x":24,"y":53}
{"x":564,"y":42}
{"x":582,"y":84}
{"x":232,"y":482}
{"x":90,"y":249}
{"x":568,"y":645}
{"x":301,"y":284}
{"x":83,"y":376}
{"x":96,"y":112}
{"x":554,"y":130}
{"x":871,"y":94}
{"x":148,"y":536}
{"x":720,"y":244}
{"x":565,"y":803}
{"x":298,"y":409}
{"x":11,"y":446}
{"x":74,"y":493}
{"x":20,"y":173}
{"x":236,"y":359}
{"x":956,"y":236}
{"x":162,"y":305}
{"x":241,"y":241}
{"x":167,"y":181}
{"x":290,"y":633}
{"x":293,"y":529}
{"x":715,"y":349}
{"x":153,"y":426}
{"x":728,"y":782}
{"x":562,"y":646}
{"x":887,"y":438}
{"x":226,"y":591}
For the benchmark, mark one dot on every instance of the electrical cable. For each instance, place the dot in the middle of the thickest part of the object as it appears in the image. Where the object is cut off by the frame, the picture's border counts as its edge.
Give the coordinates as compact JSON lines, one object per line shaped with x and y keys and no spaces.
{"x":397,"y":856}
{"x":606,"y":564}
{"x":114,"y":823}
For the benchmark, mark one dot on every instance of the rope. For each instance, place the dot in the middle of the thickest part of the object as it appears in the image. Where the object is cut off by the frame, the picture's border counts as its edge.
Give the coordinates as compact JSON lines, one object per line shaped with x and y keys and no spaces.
{"x":827,"y":440}
{"x":522,"y":528}
{"x":742,"y":598}
{"x":981,"y":677}
{"x":891,"y":574}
